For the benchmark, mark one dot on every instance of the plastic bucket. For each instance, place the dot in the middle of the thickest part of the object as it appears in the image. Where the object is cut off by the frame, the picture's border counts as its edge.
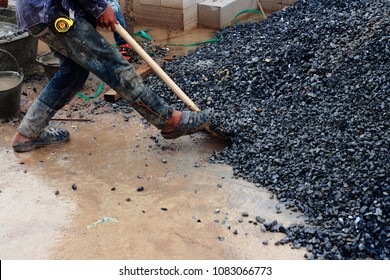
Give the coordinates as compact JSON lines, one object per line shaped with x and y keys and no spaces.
{"x":50,"y":63}
{"x":10,"y":85}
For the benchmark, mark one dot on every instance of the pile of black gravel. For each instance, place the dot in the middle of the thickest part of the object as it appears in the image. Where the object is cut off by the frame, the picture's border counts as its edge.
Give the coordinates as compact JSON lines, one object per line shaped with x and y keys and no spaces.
{"x":304,"y":97}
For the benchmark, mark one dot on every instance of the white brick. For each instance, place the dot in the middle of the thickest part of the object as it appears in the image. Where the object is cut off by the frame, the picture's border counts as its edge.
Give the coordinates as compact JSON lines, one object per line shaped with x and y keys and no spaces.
{"x":288,"y":2}
{"x":179,"y":4}
{"x":272,"y":1}
{"x":148,"y":2}
{"x":271,"y":7}
{"x":219,"y":13}
{"x":175,"y":19}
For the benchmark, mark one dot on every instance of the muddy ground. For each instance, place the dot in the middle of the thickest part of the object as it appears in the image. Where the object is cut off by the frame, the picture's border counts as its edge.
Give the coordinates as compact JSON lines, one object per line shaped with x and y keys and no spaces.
{"x":118,"y":190}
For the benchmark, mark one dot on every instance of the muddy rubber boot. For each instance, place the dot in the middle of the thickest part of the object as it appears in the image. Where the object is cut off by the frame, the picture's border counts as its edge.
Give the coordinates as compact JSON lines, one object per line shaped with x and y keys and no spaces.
{"x":34,"y":125}
{"x":155,"y":111}
{"x":190,"y":123}
{"x":36,"y":119}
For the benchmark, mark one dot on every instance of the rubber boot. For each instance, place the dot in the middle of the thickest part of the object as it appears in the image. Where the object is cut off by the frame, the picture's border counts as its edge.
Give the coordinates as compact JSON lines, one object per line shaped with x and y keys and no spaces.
{"x":155,"y":111}
{"x":36,"y":119}
{"x":153,"y":108}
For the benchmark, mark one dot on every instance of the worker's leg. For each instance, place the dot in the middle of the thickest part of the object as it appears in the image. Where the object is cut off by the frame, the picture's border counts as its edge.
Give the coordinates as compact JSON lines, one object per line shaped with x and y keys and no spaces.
{"x":87,"y":47}
{"x":83,"y":45}
{"x":172,"y":123}
{"x":58,"y":92}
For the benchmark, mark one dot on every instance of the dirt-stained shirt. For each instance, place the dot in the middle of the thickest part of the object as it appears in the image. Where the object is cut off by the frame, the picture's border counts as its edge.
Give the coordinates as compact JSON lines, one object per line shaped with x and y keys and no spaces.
{"x":33,"y":12}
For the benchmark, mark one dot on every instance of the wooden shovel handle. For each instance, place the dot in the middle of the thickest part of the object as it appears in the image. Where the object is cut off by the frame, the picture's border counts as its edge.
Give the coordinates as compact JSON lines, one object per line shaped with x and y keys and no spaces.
{"x":156,"y":68}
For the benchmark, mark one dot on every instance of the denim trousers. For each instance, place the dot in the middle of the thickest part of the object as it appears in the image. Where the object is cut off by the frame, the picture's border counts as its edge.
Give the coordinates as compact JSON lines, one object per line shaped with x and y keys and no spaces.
{"x":81,"y":50}
{"x":119,"y":16}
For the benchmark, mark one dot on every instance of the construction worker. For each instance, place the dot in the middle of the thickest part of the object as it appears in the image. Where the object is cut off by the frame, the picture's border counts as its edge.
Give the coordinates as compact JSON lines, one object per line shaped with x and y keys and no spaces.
{"x":82,"y":50}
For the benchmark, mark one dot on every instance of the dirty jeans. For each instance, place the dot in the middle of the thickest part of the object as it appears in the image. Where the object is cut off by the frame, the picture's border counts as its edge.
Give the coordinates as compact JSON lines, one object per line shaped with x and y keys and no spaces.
{"x":119,"y":16}
{"x":83,"y":50}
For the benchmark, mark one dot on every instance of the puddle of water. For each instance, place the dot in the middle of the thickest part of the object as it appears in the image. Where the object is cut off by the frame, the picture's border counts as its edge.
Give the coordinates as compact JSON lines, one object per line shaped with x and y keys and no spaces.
{"x":173,"y":217}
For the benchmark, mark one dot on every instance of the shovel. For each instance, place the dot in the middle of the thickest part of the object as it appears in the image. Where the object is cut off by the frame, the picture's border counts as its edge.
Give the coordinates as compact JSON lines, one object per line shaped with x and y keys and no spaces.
{"x":157,"y":69}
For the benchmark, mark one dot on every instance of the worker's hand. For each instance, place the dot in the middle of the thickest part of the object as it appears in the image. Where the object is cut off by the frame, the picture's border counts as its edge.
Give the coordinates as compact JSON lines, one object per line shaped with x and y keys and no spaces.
{"x":108,"y":19}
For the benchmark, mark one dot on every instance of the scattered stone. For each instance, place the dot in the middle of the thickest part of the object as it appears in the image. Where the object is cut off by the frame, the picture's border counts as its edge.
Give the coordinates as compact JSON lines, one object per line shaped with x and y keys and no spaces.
{"x":321,"y":139}
{"x":306,"y":115}
{"x":245,"y":214}
{"x":74,"y":187}
{"x":164,"y":209}
{"x":140,"y":189}
{"x":260,"y":219}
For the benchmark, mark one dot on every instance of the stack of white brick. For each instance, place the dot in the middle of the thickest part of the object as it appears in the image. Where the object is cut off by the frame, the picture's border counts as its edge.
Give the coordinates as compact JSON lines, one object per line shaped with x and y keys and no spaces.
{"x":188,"y":14}
{"x":170,"y":14}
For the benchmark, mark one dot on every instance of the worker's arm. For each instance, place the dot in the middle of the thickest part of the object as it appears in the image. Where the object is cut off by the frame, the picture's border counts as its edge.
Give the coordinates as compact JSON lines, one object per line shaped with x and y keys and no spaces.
{"x":102,"y":11}
{"x":108,"y":19}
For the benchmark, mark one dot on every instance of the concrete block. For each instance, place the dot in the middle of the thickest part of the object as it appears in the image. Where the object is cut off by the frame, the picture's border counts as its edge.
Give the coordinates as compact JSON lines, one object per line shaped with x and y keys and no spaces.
{"x":179,"y":4}
{"x":219,"y":13}
{"x":288,"y":2}
{"x":174,"y":4}
{"x":270,"y":7}
{"x":175,"y":19}
{"x":148,"y":2}
{"x":271,"y":1}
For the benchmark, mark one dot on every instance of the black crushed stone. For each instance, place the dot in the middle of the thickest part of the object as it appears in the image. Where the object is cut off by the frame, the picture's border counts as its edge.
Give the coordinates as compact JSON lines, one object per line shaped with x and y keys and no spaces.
{"x":304,"y":97}
{"x":155,"y":51}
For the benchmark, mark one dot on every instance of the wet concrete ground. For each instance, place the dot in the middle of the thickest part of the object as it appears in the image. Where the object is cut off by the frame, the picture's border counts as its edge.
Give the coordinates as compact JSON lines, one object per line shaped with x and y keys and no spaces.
{"x":174,"y":217}
{"x":138,"y":196}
